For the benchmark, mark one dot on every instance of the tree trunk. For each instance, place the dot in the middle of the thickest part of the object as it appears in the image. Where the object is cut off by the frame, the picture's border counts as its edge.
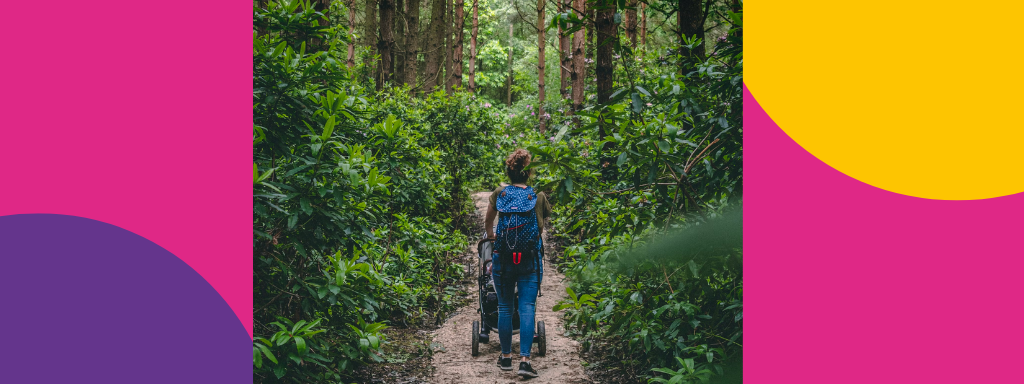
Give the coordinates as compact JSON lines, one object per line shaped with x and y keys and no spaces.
{"x":370,"y":33}
{"x":435,"y":45}
{"x":579,"y":73}
{"x":631,"y":23}
{"x":643,"y":24}
{"x":591,"y":34}
{"x":400,"y":48}
{"x":324,"y":7}
{"x":690,"y":18}
{"x":449,"y":64}
{"x":412,"y":42}
{"x":510,"y":73}
{"x":351,"y":31}
{"x":459,"y":24}
{"x":607,"y":41}
{"x":540,"y":65}
{"x":563,"y":54}
{"x":386,"y":43}
{"x":472,"y":50}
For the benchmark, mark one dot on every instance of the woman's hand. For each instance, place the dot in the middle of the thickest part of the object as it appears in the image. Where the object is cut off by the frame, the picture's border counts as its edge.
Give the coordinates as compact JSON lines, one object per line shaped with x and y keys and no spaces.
{"x":492,"y":212}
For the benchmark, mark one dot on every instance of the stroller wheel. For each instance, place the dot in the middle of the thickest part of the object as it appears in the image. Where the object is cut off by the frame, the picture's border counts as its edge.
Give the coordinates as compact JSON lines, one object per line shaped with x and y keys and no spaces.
{"x":476,"y":338}
{"x":542,"y":340}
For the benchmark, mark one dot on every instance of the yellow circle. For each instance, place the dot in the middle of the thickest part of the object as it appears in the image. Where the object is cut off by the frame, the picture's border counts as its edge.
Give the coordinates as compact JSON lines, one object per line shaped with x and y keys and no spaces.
{"x":914,"y":97}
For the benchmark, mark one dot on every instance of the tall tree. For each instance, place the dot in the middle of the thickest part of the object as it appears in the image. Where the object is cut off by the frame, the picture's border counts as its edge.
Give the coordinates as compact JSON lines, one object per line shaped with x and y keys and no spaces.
{"x":412,"y":43}
{"x":370,"y":32}
{"x":400,"y":48}
{"x":435,"y":46}
{"x":631,"y":23}
{"x":607,"y":42}
{"x":351,"y":32}
{"x":459,"y":25}
{"x":449,"y":47}
{"x":563,"y":53}
{"x":579,"y":73}
{"x":324,"y":7}
{"x":540,"y":64}
{"x":472,"y":50}
{"x":510,"y":73}
{"x":643,"y":24}
{"x":607,"y":39}
{"x":690,"y":18}
{"x":591,"y":34}
{"x":386,"y":43}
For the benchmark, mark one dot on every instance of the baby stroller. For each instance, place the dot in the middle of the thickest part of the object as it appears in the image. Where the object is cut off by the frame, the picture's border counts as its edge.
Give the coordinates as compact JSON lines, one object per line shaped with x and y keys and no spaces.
{"x":489,"y":304}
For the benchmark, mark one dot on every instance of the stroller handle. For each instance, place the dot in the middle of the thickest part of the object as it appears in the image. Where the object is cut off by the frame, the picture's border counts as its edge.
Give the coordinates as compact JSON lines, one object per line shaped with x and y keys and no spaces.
{"x":479,"y":247}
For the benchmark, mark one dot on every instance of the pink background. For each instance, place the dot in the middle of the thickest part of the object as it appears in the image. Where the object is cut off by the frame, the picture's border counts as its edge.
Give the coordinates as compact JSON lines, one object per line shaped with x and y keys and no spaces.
{"x":136,"y":114}
{"x":848,"y":283}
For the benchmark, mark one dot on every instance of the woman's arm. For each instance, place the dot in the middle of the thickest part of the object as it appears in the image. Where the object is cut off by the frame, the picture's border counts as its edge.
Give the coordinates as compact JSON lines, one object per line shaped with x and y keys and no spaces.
{"x":489,"y":220}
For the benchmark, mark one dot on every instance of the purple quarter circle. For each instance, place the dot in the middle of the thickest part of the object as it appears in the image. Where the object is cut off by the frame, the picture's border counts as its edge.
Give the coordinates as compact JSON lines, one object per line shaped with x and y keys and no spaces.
{"x":83,"y":301}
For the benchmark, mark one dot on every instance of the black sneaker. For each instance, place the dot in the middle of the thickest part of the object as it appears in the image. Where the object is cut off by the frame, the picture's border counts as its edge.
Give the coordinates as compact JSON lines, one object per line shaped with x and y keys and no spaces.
{"x":525,"y":370}
{"x":505,"y":363}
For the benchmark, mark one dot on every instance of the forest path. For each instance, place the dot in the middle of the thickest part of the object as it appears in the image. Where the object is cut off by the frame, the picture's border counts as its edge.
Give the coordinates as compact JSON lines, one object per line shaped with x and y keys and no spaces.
{"x":456,"y":365}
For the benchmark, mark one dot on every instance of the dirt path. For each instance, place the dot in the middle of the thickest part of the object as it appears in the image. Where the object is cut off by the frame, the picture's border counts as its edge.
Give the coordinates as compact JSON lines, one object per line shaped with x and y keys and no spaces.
{"x":456,"y":365}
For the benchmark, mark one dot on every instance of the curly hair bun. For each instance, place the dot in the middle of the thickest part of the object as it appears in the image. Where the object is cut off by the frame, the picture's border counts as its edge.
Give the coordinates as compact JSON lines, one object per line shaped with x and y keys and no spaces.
{"x":518,"y":160}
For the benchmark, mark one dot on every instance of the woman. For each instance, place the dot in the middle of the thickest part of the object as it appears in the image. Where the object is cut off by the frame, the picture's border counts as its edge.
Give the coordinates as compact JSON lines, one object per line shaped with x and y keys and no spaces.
{"x":514,"y":200}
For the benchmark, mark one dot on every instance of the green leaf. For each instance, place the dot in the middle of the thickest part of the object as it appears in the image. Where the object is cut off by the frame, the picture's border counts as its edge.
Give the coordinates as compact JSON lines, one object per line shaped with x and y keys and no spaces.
{"x":295,"y":328}
{"x":328,"y":129}
{"x":266,"y":175}
{"x":300,"y":344}
{"x":643,"y":91}
{"x":339,"y":196}
{"x":616,"y":93}
{"x":622,"y":159}
{"x":687,"y":142}
{"x":278,"y":49}
{"x":637,"y":104}
{"x":666,"y":371}
{"x":664,"y":146}
{"x":297,"y":170}
{"x":266,"y":352}
{"x":255,"y":174}
{"x":561,"y":132}
{"x":292,"y":220}
{"x":571,"y":294}
{"x":688,"y":363}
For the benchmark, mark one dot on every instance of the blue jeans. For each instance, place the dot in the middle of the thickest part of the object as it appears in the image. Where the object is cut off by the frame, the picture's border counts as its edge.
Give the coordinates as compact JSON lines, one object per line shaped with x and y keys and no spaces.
{"x":506,"y":290}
